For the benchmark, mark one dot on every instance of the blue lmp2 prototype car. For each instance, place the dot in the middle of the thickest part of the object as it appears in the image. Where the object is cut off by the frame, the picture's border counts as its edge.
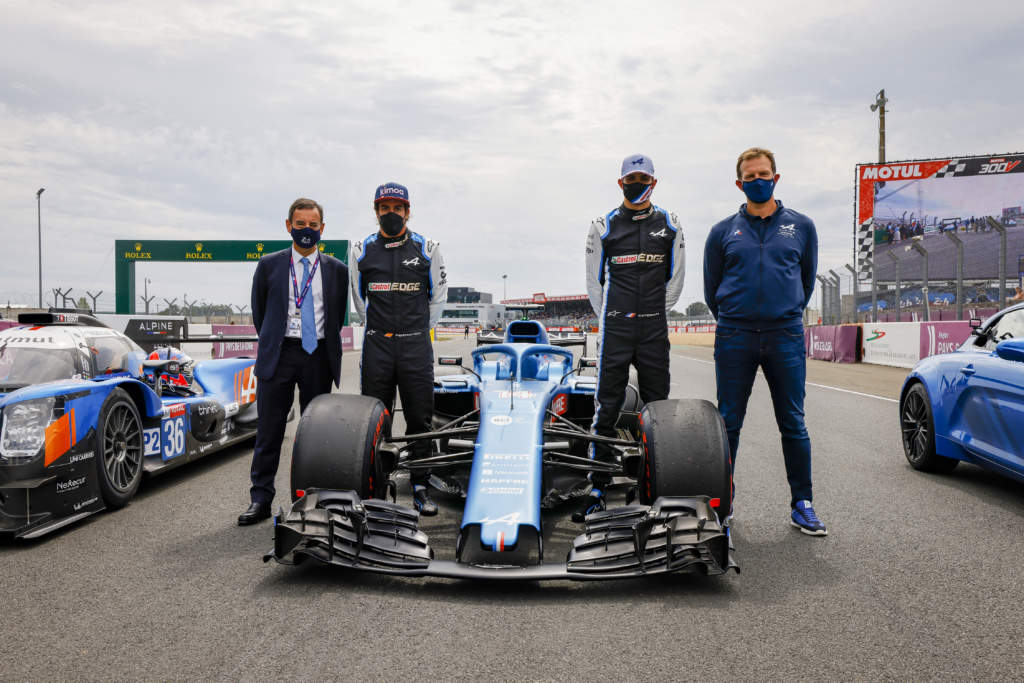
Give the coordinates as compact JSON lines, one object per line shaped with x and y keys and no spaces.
{"x":969,"y":404}
{"x":511,"y":436}
{"x":84,"y":412}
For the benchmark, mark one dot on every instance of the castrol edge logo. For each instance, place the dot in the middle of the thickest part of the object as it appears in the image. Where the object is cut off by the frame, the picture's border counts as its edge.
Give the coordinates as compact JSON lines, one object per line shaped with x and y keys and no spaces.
{"x":394,"y":286}
{"x":638,"y":258}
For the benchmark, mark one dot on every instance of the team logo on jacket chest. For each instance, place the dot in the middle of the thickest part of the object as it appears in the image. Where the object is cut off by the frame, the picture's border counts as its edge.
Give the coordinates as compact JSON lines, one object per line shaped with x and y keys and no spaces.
{"x":638,"y":258}
{"x":788,"y":230}
{"x":394,"y":286}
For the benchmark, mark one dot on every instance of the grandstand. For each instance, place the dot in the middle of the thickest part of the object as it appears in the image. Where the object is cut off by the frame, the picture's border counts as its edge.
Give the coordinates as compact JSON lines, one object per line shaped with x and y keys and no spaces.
{"x":570,"y":310}
{"x":981,"y":255}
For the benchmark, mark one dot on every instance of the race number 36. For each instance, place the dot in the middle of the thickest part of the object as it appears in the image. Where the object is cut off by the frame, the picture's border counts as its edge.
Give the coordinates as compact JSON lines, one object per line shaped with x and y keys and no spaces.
{"x":174,"y":437}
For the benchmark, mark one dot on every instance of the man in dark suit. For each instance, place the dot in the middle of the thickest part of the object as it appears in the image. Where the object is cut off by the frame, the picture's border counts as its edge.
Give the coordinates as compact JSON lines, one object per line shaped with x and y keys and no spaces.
{"x":298,"y":307}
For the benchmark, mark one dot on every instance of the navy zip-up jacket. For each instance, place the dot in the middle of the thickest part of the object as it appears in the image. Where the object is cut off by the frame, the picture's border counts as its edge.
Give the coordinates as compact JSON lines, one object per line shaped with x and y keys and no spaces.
{"x":759,"y":272}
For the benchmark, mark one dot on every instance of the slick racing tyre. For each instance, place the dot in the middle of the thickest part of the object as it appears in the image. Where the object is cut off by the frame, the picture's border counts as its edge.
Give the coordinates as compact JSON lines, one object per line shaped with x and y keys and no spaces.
{"x":685,"y":452}
{"x":336,"y":445}
{"x":918,"y":430}
{"x":119,"y":434}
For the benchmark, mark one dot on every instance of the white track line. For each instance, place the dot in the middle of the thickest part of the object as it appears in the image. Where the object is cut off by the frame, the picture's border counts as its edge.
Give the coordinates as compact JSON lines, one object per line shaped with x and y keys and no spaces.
{"x":820,"y":386}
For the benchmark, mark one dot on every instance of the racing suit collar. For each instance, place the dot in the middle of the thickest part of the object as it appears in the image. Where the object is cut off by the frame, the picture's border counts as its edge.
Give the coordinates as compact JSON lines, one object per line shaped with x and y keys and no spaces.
{"x":637,"y":214}
{"x":391,"y":242}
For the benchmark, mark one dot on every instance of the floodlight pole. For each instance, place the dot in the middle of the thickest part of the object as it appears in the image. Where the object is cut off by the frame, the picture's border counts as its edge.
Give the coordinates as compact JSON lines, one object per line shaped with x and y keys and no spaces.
{"x":39,"y":219}
{"x":899,"y":283}
{"x":879,"y":105}
{"x":916,"y":246}
{"x":856,"y":293}
{"x":504,"y":287}
{"x":959,"y":274}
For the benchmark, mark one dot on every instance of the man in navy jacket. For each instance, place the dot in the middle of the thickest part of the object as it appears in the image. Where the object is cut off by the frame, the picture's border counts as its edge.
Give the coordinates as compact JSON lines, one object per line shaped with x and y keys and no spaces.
{"x":299,"y":297}
{"x":759,"y":271}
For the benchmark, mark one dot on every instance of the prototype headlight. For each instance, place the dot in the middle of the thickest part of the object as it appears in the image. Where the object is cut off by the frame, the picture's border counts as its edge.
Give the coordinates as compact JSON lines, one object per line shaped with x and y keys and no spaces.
{"x":24,"y":430}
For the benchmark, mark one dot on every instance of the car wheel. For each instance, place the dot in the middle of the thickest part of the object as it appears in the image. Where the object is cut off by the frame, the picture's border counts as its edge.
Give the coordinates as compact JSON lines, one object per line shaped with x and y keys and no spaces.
{"x":685,"y":452}
{"x":918,"y":429}
{"x":336,"y":445}
{"x":119,"y":466}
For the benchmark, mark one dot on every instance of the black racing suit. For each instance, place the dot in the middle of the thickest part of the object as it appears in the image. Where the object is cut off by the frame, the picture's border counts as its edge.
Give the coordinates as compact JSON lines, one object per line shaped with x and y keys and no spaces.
{"x":635,"y":266}
{"x":399,"y":286}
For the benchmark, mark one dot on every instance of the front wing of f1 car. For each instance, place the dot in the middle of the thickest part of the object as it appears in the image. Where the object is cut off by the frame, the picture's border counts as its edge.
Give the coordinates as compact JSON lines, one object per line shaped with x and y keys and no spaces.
{"x":338,"y":528}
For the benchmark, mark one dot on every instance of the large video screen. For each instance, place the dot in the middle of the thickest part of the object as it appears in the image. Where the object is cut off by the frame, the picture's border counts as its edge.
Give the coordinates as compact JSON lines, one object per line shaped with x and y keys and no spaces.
{"x":901,"y":202}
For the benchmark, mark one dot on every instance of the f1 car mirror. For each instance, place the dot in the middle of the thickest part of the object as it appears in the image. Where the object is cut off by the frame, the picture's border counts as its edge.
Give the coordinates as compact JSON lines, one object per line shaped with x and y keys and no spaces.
{"x":588,"y":362}
{"x":450,"y":360}
{"x":975,"y":325}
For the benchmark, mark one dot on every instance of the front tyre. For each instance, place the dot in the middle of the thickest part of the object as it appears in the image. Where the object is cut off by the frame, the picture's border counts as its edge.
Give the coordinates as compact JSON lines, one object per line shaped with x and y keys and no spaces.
{"x":918,"y":428}
{"x":685,"y":452}
{"x":119,"y":465}
{"x":336,"y":445}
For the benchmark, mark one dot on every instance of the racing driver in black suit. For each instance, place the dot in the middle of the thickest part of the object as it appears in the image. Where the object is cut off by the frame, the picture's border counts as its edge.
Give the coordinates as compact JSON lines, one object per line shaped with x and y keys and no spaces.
{"x":399,"y":287}
{"x":635,"y":265}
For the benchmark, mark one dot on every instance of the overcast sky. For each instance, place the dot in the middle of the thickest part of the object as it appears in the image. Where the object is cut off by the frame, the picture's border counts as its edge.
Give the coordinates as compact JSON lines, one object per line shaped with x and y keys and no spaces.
{"x":507,"y":121}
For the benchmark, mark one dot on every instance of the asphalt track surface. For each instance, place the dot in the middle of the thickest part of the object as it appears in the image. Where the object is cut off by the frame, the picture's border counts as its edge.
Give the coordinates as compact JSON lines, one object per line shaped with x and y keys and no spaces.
{"x":920,"y":578}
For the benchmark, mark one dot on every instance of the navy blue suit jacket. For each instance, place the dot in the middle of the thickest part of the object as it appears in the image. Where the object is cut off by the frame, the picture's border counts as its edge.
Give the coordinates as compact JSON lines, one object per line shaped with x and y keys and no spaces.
{"x":271,"y":287}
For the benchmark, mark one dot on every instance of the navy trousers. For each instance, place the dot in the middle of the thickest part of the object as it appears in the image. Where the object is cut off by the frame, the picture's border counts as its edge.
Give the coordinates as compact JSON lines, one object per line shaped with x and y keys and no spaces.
{"x":781,"y":355}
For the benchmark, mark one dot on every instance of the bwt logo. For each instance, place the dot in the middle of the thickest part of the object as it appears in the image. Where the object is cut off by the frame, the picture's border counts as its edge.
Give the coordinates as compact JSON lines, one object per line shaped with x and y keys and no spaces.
{"x":892,"y":172}
{"x":394,"y":286}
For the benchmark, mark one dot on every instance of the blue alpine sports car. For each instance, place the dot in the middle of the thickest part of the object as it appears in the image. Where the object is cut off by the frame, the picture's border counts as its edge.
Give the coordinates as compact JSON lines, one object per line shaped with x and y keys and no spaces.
{"x":511,"y":438}
{"x":84,"y":412}
{"x":969,"y":404}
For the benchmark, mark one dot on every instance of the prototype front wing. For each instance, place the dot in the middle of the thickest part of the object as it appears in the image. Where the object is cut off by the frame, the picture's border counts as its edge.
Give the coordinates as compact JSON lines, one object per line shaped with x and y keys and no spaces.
{"x":338,"y":528}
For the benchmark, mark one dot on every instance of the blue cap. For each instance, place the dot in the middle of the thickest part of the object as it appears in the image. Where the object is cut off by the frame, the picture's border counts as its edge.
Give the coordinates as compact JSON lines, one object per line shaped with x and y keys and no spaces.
{"x":391,"y":191}
{"x":637,"y":163}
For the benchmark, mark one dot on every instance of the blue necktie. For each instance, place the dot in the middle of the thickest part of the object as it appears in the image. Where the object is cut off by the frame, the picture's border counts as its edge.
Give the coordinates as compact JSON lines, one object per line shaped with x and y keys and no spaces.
{"x":308,"y":317}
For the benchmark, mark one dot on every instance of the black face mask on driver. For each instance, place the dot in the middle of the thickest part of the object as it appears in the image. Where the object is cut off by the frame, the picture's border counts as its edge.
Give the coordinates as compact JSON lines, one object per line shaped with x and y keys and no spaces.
{"x":636,"y":193}
{"x":391,"y":223}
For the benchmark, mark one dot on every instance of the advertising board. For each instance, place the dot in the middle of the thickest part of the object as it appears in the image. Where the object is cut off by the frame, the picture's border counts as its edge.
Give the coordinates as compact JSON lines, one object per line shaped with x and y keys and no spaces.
{"x":897,"y":344}
{"x":900,"y":202}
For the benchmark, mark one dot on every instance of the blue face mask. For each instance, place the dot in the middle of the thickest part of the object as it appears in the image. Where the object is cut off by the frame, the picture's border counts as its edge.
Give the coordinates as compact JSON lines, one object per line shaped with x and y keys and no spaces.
{"x":759,"y":191}
{"x":305,"y":237}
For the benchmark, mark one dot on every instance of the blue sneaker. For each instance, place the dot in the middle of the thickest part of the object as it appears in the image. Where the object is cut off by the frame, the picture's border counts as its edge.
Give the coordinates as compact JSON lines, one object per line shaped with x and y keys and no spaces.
{"x":804,"y":519}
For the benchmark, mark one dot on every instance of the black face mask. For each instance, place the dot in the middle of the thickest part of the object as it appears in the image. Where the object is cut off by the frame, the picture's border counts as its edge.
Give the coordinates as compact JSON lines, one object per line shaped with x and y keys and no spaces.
{"x":634,"y":192}
{"x":391,"y":223}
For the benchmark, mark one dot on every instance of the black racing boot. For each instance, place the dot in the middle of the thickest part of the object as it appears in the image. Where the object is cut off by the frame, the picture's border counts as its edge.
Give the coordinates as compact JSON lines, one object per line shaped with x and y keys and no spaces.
{"x":593,"y":503}
{"x":421,"y":499}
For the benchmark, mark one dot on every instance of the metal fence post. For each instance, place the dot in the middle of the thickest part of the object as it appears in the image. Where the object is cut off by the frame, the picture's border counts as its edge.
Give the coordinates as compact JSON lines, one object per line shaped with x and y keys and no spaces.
{"x":916,"y":246}
{"x":899,"y":283}
{"x":874,"y":289}
{"x":959,"y":274}
{"x":839,"y":296}
{"x":856,"y":293}
{"x":824,"y":299}
{"x":1001,"y":229}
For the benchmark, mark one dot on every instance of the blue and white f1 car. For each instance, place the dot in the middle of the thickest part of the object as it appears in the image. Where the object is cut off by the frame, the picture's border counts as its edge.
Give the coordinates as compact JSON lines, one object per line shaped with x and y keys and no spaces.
{"x":84,"y":412}
{"x":968,"y":405}
{"x":511,"y":436}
